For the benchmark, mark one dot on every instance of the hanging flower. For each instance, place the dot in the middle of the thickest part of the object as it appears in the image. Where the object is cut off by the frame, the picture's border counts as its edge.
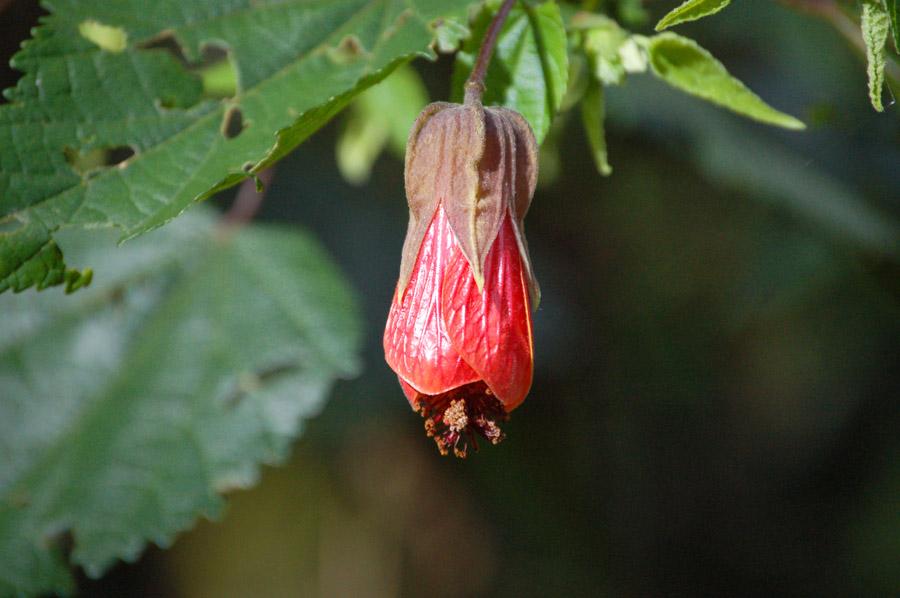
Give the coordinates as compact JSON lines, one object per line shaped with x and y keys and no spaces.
{"x":459,"y":330}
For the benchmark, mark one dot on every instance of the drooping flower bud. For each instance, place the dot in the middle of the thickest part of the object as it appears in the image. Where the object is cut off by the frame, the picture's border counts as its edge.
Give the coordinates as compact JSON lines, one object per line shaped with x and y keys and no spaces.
{"x":459,"y":330}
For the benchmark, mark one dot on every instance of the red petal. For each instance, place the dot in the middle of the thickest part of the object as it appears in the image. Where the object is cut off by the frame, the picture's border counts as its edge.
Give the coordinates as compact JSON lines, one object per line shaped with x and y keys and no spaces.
{"x":412,"y":395}
{"x":491,"y":329}
{"x":416,"y":344}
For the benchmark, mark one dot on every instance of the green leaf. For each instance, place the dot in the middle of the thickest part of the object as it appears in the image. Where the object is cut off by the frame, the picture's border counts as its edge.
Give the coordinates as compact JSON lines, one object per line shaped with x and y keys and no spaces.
{"x":602,"y":38}
{"x":683,"y":64}
{"x":691,"y":10}
{"x":891,"y":6}
{"x":380,"y":117}
{"x":875,"y":24}
{"x":611,"y":51}
{"x":297,"y":64}
{"x":593,"y":114}
{"x":530,"y":66}
{"x":128,"y":407}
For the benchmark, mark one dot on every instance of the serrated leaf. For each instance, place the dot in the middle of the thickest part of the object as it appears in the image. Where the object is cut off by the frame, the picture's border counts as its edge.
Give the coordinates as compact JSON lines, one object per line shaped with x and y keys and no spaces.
{"x":127,"y":408}
{"x":593,"y":115}
{"x":530,"y":66}
{"x":691,"y":10}
{"x":875,"y":24}
{"x":380,"y":117}
{"x":297,"y":63}
{"x":683,"y":64}
{"x":448,"y":34}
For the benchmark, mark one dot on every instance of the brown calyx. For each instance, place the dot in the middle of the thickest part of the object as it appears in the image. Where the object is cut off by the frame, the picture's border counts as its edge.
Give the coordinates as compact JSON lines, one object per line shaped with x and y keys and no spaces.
{"x":480,"y":164}
{"x":457,"y":417}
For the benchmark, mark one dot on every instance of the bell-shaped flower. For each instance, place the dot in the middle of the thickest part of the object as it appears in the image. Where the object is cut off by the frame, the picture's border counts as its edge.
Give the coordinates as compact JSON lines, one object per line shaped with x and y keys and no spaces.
{"x":459,"y":330}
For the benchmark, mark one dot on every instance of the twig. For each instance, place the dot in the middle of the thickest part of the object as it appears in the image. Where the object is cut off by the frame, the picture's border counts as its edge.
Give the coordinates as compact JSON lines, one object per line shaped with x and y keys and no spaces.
{"x":248,"y":200}
{"x":475,"y":83}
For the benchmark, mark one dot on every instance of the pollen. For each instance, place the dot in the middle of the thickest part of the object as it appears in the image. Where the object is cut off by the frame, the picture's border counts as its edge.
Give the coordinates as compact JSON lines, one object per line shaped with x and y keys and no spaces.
{"x":456,"y":418}
{"x":490,"y":430}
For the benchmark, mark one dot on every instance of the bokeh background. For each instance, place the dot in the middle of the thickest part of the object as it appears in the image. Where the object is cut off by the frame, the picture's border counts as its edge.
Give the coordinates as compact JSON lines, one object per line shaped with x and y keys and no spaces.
{"x":715,"y":407}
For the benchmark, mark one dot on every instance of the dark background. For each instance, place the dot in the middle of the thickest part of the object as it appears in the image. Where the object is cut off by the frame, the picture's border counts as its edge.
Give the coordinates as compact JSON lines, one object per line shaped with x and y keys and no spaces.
{"x":715,"y":401}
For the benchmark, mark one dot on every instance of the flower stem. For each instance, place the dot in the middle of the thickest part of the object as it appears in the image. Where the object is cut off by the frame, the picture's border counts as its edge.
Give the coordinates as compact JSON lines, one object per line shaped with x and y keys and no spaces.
{"x":249,"y":199}
{"x":475,"y":83}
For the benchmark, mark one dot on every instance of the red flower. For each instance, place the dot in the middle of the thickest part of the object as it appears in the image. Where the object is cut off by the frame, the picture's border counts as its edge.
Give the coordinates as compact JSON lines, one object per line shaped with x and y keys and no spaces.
{"x":459,"y":330}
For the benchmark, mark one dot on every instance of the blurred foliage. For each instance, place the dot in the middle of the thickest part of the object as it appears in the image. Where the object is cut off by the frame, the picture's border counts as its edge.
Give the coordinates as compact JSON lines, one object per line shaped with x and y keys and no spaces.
{"x":195,"y":356}
{"x":380,"y":118}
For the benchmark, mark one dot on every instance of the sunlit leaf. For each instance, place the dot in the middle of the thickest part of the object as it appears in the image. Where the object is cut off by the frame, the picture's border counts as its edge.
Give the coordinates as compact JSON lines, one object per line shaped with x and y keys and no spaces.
{"x":691,"y":10}
{"x":127,"y":408}
{"x":875,"y":24}
{"x":111,"y":39}
{"x":120,"y":76}
{"x":530,"y":67}
{"x":683,"y":64}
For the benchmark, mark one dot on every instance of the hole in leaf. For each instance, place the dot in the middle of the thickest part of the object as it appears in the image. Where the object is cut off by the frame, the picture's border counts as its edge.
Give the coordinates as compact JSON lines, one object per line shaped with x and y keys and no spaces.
{"x":347,"y":51}
{"x":232,"y":123}
{"x":167,"y":42}
{"x":247,"y":167}
{"x":109,"y":38}
{"x":117,"y":155}
{"x":182,"y":89}
{"x":93,"y":160}
{"x":215,"y":68}
{"x":217,"y":73}
{"x":168,"y":102}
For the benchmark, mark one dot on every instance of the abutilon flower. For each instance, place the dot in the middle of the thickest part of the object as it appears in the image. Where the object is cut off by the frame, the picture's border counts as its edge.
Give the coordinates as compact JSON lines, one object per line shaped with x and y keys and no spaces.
{"x":459,"y":330}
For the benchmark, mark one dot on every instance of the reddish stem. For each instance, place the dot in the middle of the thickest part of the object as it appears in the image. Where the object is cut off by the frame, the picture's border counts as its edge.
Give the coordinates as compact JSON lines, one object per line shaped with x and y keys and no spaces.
{"x":248,"y":200}
{"x":475,"y":83}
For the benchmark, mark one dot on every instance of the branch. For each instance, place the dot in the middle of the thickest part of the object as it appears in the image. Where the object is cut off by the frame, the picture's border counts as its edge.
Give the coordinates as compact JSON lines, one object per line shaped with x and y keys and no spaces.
{"x":248,"y":200}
